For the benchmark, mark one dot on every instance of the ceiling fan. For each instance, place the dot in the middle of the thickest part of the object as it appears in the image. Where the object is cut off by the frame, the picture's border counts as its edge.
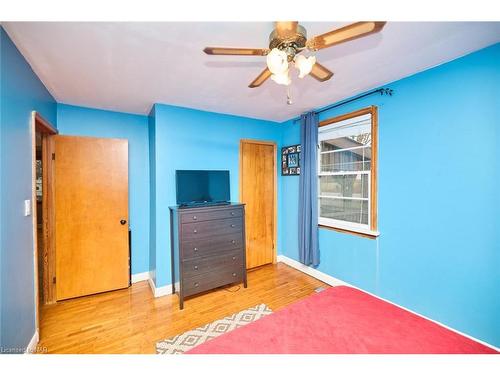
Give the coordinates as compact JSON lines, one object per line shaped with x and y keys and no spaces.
{"x":288,"y":40}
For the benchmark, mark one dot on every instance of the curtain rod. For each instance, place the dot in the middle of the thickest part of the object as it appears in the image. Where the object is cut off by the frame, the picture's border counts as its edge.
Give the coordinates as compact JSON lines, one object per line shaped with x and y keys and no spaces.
{"x":382,"y":91}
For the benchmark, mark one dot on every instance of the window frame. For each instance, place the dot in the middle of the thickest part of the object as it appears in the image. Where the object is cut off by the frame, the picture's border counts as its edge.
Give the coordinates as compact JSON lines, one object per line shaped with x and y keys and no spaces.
{"x":370,"y":231}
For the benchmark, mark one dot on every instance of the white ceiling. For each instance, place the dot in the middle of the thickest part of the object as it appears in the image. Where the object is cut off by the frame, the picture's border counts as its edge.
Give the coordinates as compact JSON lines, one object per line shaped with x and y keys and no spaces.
{"x":129,"y":66}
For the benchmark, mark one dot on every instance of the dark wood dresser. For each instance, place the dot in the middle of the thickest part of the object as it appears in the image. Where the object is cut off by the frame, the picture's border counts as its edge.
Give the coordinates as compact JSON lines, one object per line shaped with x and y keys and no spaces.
{"x":208,"y":248}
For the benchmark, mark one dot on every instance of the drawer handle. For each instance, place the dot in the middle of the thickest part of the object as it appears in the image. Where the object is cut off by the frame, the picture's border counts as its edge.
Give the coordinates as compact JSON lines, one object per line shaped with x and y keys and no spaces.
{"x":196,"y":285}
{"x":195,"y":218}
{"x":233,"y":242}
{"x":234,"y":274}
{"x":232,"y":213}
{"x":234,"y":258}
{"x":232,"y":225}
{"x":195,"y":231}
{"x":195,"y":249}
{"x":196,"y":267}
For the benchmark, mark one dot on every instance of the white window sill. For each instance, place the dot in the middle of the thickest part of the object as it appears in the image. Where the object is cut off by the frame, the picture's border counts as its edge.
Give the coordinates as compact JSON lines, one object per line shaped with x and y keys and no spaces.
{"x":349,"y":229}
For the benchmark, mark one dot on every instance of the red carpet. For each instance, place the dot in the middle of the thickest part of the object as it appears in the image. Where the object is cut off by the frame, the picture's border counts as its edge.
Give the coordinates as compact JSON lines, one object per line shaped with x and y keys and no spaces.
{"x":341,"y":320}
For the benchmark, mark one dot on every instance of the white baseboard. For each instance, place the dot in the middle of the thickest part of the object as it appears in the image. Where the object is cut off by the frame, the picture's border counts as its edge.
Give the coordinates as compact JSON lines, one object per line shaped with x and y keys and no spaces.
{"x":143,"y":276}
{"x":330,"y":280}
{"x":164,"y":290}
{"x":30,"y":349}
{"x":157,"y":291}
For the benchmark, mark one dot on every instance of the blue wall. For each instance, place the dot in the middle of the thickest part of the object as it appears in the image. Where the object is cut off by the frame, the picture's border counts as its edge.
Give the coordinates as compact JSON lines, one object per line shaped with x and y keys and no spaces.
{"x":439,"y":250}
{"x":1,"y":196}
{"x":81,"y":121}
{"x":21,"y":92}
{"x":152,"y":194}
{"x":191,"y":139}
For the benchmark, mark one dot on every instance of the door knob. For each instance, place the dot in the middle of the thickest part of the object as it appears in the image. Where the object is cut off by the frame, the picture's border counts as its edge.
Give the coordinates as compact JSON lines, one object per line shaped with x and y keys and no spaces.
{"x":123,"y":221}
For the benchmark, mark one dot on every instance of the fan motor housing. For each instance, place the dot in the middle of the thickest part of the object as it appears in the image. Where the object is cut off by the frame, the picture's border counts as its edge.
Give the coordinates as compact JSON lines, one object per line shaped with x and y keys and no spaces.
{"x":296,"y":41}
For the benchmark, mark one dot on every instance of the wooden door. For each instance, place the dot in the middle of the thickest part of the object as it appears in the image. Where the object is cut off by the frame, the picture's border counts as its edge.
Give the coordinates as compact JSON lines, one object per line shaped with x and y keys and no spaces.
{"x":258,"y":192}
{"x":91,"y":215}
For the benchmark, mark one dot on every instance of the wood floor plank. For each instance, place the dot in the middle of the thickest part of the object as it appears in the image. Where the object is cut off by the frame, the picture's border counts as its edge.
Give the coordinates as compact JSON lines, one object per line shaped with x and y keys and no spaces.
{"x":132,"y":320}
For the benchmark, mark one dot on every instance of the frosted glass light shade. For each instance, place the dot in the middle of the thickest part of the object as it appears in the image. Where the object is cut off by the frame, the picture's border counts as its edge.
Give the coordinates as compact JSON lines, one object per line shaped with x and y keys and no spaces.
{"x":277,"y":61}
{"x":304,"y":64}
{"x":282,"y":78}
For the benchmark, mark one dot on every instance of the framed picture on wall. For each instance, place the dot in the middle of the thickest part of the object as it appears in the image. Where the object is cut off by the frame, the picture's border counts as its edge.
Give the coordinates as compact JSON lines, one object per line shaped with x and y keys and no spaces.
{"x":290,"y":160}
{"x":293,"y":160}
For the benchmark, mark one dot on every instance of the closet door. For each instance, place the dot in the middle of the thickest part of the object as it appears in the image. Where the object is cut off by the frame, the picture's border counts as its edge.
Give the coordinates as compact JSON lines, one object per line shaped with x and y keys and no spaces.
{"x":258,"y":192}
{"x":91,"y":215}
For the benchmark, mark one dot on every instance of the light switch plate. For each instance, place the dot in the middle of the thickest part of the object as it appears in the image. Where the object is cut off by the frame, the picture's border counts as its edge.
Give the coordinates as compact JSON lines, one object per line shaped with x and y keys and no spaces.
{"x":27,"y":207}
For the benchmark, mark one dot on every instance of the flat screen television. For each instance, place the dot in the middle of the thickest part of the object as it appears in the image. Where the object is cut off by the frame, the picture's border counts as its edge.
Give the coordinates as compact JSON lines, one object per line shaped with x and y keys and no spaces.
{"x":202,"y":187}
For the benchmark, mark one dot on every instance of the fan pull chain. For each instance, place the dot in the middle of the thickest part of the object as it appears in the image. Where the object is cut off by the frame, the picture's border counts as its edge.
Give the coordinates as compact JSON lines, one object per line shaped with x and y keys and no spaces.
{"x":288,"y":96}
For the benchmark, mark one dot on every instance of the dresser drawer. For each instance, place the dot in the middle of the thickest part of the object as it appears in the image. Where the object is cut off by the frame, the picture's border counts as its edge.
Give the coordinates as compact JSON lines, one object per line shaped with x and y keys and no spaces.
{"x":202,"y":283}
{"x":193,"y":217}
{"x":200,"y":266}
{"x":211,"y":229}
{"x":201,"y":247}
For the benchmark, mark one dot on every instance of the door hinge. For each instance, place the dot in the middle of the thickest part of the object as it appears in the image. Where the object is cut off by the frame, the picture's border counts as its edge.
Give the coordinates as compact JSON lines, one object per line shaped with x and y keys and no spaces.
{"x":53,"y":156}
{"x":54,"y":280}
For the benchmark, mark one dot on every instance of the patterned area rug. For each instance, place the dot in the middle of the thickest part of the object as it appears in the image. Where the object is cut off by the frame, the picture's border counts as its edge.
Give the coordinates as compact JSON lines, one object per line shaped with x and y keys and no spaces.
{"x":188,"y":340}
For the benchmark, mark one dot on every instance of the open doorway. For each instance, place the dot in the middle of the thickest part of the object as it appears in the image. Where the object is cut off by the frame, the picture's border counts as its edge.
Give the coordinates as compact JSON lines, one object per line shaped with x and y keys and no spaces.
{"x":43,"y":212}
{"x":38,"y":206}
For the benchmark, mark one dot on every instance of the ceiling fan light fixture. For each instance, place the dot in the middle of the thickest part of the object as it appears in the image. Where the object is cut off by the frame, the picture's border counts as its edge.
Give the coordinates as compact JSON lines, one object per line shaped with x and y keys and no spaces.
{"x":277,"y":61}
{"x":304,"y":64}
{"x":287,"y":40}
{"x":282,"y":78}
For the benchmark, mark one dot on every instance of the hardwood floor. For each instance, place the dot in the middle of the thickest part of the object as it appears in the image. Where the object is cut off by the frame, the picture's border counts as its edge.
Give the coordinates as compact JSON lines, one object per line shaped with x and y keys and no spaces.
{"x":132,"y":320}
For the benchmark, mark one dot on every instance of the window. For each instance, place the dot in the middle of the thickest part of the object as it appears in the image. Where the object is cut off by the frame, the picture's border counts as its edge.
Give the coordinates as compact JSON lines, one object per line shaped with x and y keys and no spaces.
{"x":347,"y":172}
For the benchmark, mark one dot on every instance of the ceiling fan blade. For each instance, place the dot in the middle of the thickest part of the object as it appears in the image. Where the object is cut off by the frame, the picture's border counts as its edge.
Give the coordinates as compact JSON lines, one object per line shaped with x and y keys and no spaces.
{"x":286,"y":29}
{"x":321,"y":73}
{"x":236,"y":51}
{"x":261,"y":78}
{"x":344,"y":34}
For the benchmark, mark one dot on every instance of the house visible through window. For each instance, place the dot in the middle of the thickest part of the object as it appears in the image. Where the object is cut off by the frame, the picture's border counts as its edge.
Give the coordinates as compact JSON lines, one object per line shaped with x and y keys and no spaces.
{"x":347,"y":172}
